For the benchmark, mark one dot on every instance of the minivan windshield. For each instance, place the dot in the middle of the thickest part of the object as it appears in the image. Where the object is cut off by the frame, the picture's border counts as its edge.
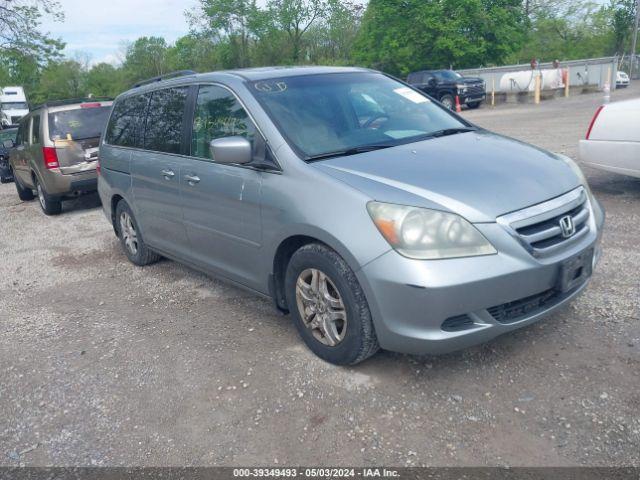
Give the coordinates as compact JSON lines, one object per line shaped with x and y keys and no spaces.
{"x":78,"y":124}
{"x":344,"y":113}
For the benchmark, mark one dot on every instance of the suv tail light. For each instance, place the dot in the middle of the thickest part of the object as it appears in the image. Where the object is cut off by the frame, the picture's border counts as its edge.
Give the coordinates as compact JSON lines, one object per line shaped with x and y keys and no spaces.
{"x":98,"y":167}
{"x":593,"y":121}
{"x":50,"y":158}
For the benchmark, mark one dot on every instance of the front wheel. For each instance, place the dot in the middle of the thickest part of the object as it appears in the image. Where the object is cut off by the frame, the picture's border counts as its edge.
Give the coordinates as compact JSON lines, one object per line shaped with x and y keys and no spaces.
{"x":328,"y":306}
{"x":473,"y":105}
{"x":50,"y":205}
{"x":448,"y":101}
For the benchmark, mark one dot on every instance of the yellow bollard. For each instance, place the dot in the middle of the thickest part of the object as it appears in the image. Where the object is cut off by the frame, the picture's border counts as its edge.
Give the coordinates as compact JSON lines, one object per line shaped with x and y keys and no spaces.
{"x":537,"y":90}
{"x":493,"y":92}
{"x":567,"y":82}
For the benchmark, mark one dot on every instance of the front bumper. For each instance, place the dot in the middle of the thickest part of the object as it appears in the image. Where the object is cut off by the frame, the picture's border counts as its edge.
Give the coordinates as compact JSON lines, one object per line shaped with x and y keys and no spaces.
{"x":410,"y":300}
{"x":473,"y":98}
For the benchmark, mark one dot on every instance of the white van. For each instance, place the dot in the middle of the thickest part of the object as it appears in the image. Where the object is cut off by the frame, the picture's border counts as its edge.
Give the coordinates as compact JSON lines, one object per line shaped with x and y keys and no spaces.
{"x":14,"y":105}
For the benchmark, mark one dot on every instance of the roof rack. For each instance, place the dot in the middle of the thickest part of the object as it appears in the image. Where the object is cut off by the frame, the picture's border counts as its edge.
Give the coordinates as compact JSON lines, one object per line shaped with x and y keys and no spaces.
{"x":167,"y":76}
{"x":71,"y":101}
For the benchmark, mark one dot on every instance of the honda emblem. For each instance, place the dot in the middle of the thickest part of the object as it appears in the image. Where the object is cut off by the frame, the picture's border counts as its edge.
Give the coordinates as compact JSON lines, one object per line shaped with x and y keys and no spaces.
{"x":567,"y":226}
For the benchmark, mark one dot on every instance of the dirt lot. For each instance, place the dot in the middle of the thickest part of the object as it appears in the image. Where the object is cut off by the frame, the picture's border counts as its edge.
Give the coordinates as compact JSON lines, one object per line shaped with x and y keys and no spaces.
{"x":103,"y":363}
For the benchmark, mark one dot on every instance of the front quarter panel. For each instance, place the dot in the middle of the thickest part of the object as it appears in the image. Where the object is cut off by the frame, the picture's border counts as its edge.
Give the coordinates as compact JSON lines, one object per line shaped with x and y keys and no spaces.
{"x":305,"y":201}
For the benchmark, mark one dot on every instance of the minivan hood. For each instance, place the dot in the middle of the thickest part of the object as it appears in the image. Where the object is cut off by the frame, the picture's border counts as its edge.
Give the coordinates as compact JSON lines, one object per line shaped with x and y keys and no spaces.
{"x":479,"y":175}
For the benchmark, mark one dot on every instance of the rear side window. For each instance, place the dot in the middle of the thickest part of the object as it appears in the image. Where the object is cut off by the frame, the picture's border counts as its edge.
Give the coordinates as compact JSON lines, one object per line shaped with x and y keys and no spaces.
{"x":126,"y":125}
{"x":79,"y":124}
{"x":218,"y":114}
{"x":20,"y":134}
{"x":35,"y":130}
{"x":165,"y":119}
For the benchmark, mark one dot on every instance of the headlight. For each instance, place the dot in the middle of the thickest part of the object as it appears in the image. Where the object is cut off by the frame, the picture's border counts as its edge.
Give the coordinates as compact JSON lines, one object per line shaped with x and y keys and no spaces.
{"x":426,"y":234}
{"x":461,"y":87}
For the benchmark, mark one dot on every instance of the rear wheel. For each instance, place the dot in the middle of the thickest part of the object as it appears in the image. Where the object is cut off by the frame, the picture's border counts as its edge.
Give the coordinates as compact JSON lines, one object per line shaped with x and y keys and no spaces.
{"x":329,"y":307}
{"x":132,"y":243}
{"x":25,"y":194}
{"x":50,"y":205}
{"x":448,"y":101}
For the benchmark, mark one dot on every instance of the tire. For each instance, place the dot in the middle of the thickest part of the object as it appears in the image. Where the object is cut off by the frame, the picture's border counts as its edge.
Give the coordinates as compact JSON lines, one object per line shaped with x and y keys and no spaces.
{"x":5,"y":180}
{"x":473,"y":105}
{"x":353,"y":339}
{"x":448,"y":101}
{"x":50,"y":205}
{"x":130,"y":239}
{"x":25,"y":194}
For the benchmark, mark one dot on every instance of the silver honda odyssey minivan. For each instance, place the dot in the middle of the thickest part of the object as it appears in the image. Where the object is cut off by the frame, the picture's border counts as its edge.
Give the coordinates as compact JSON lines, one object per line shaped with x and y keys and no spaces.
{"x":376,"y":217}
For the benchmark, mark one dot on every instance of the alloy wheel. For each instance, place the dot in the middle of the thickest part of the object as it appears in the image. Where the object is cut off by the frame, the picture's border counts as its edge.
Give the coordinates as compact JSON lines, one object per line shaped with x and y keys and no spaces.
{"x":41,"y":195}
{"x":321,"y":307}
{"x":128,"y":232}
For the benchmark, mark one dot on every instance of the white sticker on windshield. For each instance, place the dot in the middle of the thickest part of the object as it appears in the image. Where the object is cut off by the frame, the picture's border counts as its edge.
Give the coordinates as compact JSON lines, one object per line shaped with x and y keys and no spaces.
{"x":412,"y":95}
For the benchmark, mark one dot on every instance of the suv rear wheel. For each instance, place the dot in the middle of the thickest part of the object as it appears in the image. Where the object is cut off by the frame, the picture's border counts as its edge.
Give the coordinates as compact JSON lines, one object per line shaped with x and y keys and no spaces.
{"x":50,"y":205}
{"x":130,"y":239}
{"x":328,"y":306}
{"x":25,"y":194}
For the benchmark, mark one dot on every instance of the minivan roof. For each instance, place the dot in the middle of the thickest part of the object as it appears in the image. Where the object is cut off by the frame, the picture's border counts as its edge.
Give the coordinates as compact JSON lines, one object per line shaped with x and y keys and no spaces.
{"x":248,"y":74}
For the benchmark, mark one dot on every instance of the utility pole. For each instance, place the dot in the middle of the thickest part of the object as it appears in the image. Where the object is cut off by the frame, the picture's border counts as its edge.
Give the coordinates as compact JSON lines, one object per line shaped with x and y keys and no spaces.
{"x":634,"y":39}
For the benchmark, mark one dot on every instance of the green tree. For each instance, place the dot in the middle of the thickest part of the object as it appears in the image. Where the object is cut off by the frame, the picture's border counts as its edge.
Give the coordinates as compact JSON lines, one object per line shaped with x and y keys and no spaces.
{"x":574,"y":29}
{"x":105,"y":80}
{"x":20,"y":28}
{"x":59,"y":81}
{"x":231,"y":22}
{"x":295,"y":18}
{"x":403,"y":35}
{"x":194,"y":52}
{"x":146,"y":58}
{"x":623,"y":14}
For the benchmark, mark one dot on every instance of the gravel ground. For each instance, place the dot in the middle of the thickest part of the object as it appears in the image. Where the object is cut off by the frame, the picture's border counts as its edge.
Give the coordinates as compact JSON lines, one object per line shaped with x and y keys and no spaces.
{"x":103,"y":363}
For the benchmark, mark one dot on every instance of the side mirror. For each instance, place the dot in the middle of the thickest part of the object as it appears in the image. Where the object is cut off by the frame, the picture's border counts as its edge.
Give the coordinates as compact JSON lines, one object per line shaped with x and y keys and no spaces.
{"x":8,"y":144}
{"x":231,"y":150}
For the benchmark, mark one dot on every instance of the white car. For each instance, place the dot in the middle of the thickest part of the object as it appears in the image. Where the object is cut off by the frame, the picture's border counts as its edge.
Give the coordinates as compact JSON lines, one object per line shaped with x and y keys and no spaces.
{"x":622,"y":80}
{"x":613,"y":138}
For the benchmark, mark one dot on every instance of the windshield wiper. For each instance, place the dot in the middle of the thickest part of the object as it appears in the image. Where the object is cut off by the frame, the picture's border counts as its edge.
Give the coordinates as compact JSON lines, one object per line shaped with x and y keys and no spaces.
{"x":347,"y":152}
{"x":451,"y":131}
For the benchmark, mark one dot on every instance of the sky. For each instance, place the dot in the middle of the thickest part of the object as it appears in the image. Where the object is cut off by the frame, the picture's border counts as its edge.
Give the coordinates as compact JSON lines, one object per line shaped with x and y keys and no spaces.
{"x":100,"y":28}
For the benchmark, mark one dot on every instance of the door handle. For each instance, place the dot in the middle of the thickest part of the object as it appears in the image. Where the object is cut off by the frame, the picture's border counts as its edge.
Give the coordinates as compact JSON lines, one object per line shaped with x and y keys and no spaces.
{"x":192,"y":179}
{"x":168,"y":174}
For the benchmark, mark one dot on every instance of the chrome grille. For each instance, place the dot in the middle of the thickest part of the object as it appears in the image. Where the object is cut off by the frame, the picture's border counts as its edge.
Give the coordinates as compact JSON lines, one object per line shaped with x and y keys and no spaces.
{"x":539,"y":228}
{"x":475,"y":89}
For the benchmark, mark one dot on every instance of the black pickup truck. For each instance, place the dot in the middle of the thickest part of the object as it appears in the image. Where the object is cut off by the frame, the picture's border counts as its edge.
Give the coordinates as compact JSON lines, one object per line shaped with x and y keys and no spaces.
{"x":444,"y":85}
